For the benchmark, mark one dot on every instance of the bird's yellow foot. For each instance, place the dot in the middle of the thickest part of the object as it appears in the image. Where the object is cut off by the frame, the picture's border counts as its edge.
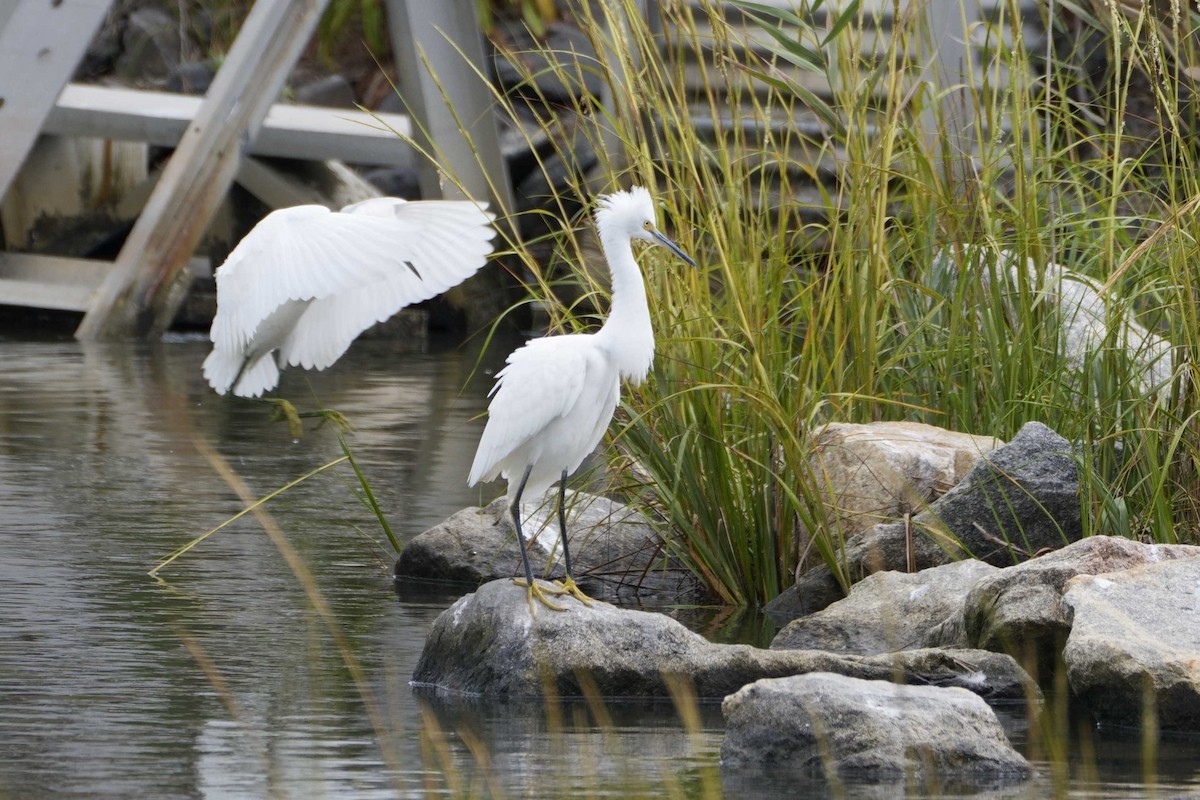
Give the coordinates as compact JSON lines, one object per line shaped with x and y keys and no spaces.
{"x":338,"y":419}
{"x":286,"y":411}
{"x":536,"y":591}
{"x":568,"y":586}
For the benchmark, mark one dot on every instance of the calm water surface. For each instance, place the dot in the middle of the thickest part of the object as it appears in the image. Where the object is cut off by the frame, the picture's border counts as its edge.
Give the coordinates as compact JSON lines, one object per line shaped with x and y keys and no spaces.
{"x":220,"y":680}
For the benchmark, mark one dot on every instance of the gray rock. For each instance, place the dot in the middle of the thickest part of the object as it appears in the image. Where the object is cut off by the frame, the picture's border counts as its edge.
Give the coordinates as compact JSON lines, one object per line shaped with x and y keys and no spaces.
{"x":1019,"y":610}
{"x":887,"y":611}
{"x":190,"y":77}
{"x":104,"y":48}
{"x":1016,"y":501}
{"x":465,"y":547}
{"x":1134,"y":644}
{"x":616,"y":553}
{"x":150,"y":46}
{"x":815,"y":589}
{"x":400,"y":182}
{"x":488,"y":643}
{"x":836,"y":727}
{"x":559,"y":69}
{"x":331,"y":91}
{"x":546,"y":164}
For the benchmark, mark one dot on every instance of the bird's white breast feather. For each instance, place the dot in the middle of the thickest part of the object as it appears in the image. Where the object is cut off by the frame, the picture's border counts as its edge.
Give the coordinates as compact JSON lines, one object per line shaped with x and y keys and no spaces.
{"x":543,"y":382}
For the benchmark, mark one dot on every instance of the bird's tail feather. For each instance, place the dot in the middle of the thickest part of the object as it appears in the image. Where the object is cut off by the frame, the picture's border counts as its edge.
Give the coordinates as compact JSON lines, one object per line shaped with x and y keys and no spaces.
{"x":221,"y":369}
{"x":225,"y":370}
{"x":258,"y":377}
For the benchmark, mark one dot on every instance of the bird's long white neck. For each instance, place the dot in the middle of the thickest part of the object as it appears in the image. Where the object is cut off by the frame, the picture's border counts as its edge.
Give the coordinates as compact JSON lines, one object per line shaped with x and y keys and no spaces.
{"x":627,"y":332}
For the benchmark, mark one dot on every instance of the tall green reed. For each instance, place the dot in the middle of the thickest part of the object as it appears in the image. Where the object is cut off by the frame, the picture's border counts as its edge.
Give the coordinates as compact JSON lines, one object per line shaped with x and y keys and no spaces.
{"x":863,"y":235}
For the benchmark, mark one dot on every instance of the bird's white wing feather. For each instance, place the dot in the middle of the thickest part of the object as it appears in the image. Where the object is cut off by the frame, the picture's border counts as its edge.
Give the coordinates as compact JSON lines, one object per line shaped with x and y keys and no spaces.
{"x":298,"y":253}
{"x":439,"y":244}
{"x":544,"y":381}
{"x":312,"y":253}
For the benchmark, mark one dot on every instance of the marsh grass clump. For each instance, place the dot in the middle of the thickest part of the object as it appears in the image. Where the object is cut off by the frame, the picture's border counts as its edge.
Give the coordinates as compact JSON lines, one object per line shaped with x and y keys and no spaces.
{"x":861,"y":227}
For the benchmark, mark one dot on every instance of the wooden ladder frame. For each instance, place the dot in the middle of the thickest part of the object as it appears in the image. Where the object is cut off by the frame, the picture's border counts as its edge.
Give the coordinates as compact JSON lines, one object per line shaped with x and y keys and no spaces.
{"x":138,"y":294}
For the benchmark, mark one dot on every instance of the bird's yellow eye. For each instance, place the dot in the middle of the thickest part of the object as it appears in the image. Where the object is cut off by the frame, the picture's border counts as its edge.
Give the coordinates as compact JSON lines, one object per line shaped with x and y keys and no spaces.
{"x":648,"y":225}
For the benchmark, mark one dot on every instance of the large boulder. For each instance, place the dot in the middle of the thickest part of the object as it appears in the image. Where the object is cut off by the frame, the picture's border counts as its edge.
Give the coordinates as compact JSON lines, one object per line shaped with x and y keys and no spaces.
{"x":887,"y":611}
{"x":880,"y":471}
{"x":1016,"y":501}
{"x":848,"y":729}
{"x":1019,"y":610}
{"x":489,"y":643}
{"x":1134,"y":646}
{"x":616,"y":553}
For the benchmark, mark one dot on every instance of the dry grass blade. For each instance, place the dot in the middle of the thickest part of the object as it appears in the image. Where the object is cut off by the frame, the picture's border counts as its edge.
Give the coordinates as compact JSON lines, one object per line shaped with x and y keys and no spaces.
{"x":251,"y":507}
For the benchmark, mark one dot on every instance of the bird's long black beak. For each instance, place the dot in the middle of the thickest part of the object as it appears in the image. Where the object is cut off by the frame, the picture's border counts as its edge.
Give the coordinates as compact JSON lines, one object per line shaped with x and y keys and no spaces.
{"x":674,"y":248}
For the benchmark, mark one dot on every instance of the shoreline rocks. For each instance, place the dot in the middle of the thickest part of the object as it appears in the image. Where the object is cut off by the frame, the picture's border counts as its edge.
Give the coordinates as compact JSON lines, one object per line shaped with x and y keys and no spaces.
{"x":888,"y":684}
{"x":1020,"y":610}
{"x":489,"y":644}
{"x":1018,"y":500}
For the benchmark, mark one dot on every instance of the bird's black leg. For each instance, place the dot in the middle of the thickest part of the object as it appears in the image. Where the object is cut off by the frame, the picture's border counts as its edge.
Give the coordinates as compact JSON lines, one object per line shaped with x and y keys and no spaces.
{"x":515,"y":511}
{"x":238,"y":378}
{"x":283,"y":409}
{"x":535,"y":591}
{"x":568,"y":586}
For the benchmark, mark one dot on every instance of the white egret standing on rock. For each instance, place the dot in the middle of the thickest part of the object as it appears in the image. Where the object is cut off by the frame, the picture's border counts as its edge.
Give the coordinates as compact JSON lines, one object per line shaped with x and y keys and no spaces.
{"x":306,"y":281}
{"x":553,"y":401}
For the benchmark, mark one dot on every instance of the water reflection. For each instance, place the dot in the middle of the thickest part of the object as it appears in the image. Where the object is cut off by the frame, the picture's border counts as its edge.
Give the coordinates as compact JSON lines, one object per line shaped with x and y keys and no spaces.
{"x":222,"y":680}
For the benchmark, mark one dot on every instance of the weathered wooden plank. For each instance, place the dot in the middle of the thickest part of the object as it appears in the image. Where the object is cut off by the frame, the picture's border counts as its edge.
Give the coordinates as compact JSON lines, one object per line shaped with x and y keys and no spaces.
{"x":438,"y":48}
{"x":327,"y":183}
{"x":141,"y":294}
{"x":61,"y":284}
{"x":288,"y":131}
{"x":41,"y":42}
{"x":58,"y":283}
{"x":439,"y":54}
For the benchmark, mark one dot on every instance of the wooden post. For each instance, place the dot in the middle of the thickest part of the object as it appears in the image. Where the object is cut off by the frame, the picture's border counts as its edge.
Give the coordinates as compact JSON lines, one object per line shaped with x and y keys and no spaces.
{"x":442,"y":73}
{"x":140,"y":296}
{"x":41,"y":42}
{"x":462,"y":136}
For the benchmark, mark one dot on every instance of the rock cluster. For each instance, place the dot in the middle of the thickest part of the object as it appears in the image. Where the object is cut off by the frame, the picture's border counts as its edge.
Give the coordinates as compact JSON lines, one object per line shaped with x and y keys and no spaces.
{"x":489,"y":643}
{"x":1015,"y":502}
{"x":889,"y":682}
{"x":1121,"y":617}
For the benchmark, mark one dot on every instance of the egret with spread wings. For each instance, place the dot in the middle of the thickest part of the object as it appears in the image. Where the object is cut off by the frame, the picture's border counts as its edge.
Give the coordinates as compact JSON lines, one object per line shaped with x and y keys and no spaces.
{"x":306,"y":281}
